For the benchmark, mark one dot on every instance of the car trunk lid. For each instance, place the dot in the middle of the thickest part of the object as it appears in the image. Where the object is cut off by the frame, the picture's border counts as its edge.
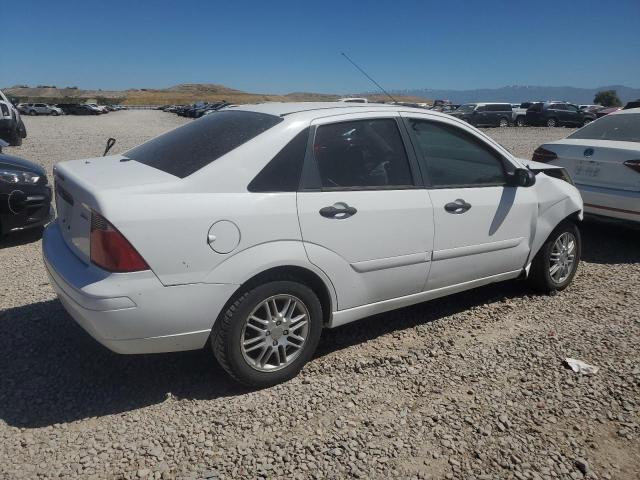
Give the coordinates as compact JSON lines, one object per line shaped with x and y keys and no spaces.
{"x":80,"y":186}
{"x":598,"y":162}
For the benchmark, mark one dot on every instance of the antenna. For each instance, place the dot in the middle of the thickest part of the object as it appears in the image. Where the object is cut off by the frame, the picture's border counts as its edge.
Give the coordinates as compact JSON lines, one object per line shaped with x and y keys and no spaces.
{"x":369,"y":77}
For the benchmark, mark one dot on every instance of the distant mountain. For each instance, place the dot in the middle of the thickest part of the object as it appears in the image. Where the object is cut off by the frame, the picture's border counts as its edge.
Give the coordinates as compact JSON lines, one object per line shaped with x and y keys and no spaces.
{"x":517,"y":94}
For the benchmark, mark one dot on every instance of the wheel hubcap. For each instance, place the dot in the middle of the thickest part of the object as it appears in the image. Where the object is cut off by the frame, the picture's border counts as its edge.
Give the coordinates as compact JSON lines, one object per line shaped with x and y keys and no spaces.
{"x":275,"y":333}
{"x":563,"y":255}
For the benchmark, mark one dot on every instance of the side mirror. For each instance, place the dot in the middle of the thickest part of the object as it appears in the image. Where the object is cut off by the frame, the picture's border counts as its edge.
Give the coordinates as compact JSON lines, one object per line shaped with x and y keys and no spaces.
{"x":522,"y":177}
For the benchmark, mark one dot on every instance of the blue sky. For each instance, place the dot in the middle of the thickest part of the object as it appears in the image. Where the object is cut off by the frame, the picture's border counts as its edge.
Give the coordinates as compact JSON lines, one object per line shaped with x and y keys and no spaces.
{"x":284,"y":46}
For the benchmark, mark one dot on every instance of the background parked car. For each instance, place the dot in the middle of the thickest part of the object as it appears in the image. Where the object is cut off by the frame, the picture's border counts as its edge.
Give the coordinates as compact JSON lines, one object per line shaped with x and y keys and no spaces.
{"x":25,"y":196}
{"x":520,"y":114}
{"x":77,"y":109}
{"x":485,"y":114}
{"x":603,"y":159}
{"x":97,"y":108}
{"x":632,"y":104}
{"x":557,"y":114}
{"x":12,"y":128}
{"x":39,"y":109}
{"x":606,"y":111}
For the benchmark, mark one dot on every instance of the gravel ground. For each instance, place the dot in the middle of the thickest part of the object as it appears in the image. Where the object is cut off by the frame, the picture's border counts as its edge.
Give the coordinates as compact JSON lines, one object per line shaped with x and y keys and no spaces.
{"x":466,"y":387}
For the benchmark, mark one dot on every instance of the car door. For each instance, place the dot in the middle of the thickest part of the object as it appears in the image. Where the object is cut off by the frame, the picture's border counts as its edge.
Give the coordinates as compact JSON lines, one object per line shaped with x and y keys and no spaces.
{"x":41,"y":108}
{"x":482,"y":225}
{"x":479,"y":116}
{"x":574,"y":117}
{"x":366,"y":220}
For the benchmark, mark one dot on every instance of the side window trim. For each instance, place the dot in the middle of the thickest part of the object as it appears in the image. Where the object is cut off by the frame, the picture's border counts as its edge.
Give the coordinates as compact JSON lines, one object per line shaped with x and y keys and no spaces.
{"x":310,"y":180}
{"x":504,"y":163}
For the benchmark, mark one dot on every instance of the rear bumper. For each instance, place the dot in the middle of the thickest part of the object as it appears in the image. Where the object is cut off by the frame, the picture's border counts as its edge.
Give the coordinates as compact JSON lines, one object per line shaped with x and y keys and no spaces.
{"x":132,"y":312}
{"x":607,"y":202}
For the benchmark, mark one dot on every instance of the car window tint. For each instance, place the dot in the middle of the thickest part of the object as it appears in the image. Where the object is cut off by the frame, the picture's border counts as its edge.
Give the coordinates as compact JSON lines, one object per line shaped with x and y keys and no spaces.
{"x":282,"y":173}
{"x":621,"y":127}
{"x":454,"y":158}
{"x":187,"y":149}
{"x":362,"y":154}
{"x":481,"y":108}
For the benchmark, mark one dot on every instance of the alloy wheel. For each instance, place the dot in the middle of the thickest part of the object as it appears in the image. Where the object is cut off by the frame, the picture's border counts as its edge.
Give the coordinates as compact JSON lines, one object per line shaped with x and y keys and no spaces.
{"x":562,"y":257}
{"x":275,"y":333}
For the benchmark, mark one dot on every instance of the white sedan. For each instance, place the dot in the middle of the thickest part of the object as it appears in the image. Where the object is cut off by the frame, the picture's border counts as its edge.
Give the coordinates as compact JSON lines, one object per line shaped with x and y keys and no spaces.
{"x":257,"y":226}
{"x":603,"y":158}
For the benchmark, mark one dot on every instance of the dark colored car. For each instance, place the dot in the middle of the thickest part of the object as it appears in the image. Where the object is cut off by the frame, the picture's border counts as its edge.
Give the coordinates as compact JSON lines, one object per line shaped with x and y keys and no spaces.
{"x":557,"y":114}
{"x":606,"y":111}
{"x":632,"y":104}
{"x":77,"y":109}
{"x":25,"y":196}
{"x":485,"y":114}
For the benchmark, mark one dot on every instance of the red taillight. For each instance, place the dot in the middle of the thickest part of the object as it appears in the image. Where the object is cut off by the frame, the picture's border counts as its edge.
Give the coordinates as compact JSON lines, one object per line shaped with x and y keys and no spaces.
{"x":543,"y":155}
{"x":633,"y":165}
{"x":110,"y":250}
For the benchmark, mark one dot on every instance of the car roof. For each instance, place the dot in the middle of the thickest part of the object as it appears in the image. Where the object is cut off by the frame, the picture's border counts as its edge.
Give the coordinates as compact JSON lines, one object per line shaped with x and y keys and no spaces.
{"x":311,"y":110}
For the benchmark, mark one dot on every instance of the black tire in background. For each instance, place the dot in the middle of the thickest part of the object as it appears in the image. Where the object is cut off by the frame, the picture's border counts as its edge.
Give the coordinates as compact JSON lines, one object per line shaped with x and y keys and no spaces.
{"x":540,"y":277}
{"x":503,"y":122}
{"x":552,"y":122}
{"x":227,"y":332}
{"x":520,"y":121}
{"x":22,"y":130}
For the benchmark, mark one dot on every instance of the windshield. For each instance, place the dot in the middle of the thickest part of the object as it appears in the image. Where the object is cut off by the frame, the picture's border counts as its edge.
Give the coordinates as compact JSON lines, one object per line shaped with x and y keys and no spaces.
{"x":466,"y":108}
{"x":621,"y":127}
{"x":187,"y":149}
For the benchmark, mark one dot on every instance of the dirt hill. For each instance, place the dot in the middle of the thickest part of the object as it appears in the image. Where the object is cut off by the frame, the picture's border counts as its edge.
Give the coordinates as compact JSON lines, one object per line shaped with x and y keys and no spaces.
{"x":178,"y":94}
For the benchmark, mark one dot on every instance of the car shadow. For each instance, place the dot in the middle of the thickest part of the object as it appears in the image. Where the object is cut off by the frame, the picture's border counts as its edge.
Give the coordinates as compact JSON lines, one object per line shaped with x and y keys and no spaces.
{"x":607,"y":242}
{"x":52,"y":371}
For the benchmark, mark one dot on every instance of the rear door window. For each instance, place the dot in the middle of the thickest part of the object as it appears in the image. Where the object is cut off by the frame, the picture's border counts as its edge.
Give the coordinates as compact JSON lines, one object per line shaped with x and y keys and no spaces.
{"x":362,"y":154}
{"x":187,"y":149}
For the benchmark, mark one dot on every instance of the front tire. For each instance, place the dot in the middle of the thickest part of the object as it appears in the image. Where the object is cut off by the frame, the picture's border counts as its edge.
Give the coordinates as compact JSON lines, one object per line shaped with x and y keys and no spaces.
{"x":552,"y":122}
{"x":520,"y":121}
{"x":503,"y":123}
{"x":555,"y":265}
{"x":268,"y":333}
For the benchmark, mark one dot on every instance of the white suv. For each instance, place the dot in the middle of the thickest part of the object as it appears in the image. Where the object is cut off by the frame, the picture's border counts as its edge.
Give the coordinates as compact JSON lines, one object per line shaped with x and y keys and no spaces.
{"x":257,"y":226}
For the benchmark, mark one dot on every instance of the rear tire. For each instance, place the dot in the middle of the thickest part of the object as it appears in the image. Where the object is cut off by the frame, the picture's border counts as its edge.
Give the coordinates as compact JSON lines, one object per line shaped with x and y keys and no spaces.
{"x":255,"y":346}
{"x":520,"y":122}
{"x":552,"y":122}
{"x":504,"y":122}
{"x":555,"y":265}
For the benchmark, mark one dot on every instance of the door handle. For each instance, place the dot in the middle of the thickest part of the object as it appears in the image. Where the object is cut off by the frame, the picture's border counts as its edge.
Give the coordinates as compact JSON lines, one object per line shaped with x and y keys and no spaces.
{"x":459,"y":206}
{"x":338,"y":211}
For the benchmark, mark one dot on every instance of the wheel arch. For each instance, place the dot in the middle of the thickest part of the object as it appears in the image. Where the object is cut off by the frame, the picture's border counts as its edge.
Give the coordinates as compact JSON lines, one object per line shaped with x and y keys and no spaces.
{"x":297,"y":273}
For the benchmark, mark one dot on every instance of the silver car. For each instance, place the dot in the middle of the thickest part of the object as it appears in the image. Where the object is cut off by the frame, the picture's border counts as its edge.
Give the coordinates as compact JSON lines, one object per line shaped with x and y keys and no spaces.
{"x":40,"y":109}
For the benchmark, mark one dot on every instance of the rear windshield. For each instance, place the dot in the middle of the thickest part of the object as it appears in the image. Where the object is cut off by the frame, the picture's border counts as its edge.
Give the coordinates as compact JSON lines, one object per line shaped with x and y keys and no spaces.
{"x":187,"y":149}
{"x":621,"y":127}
